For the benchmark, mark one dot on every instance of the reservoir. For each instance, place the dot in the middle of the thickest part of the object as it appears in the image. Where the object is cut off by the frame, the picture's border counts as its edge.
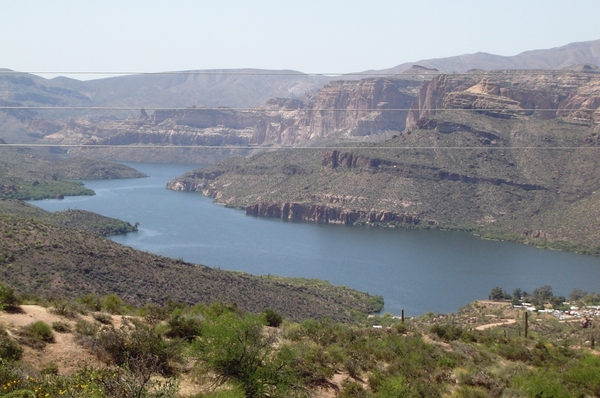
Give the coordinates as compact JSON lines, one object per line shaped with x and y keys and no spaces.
{"x":415,"y":270}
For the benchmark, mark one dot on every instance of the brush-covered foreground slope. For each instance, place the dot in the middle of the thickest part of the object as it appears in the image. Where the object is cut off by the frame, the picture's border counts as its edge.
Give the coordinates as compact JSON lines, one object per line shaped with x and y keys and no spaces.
{"x":519,"y":177}
{"x":32,"y":174}
{"x":45,"y":259}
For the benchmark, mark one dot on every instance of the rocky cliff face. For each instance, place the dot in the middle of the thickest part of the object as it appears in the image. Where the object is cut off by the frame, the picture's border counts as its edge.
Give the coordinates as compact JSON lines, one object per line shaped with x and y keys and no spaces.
{"x":342,"y":109}
{"x":545,"y":95}
{"x":327,"y":214}
{"x":510,"y":154}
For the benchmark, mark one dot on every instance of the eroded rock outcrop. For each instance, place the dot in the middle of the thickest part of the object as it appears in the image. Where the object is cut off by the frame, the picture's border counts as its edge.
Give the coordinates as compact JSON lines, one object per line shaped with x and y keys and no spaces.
{"x":327,"y":214}
{"x":348,"y":109}
{"x":343,"y":159}
{"x":544,"y":95}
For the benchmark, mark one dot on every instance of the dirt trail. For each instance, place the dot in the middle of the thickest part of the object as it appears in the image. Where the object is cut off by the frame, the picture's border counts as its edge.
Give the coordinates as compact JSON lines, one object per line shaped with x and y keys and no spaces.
{"x":493,"y":325}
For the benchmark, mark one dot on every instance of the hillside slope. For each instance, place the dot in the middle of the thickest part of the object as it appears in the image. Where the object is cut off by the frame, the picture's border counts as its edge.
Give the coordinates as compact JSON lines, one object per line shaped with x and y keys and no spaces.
{"x":511,"y":155}
{"x":27,"y":173}
{"x":49,"y":260}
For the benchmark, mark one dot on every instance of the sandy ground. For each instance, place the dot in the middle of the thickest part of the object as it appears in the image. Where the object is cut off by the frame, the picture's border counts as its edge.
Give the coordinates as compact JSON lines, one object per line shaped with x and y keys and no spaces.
{"x":64,"y":352}
{"x":493,"y":325}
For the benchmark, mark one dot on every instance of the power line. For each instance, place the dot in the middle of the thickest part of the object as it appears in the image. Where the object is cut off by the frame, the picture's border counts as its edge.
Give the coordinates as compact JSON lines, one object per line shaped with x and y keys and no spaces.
{"x":100,"y":146}
{"x":234,"y":72}
{"x":264,"y":109}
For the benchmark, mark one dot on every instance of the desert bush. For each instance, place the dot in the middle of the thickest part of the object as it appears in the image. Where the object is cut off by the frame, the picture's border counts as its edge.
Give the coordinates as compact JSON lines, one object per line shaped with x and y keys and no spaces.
{"x":153,"y":313}
{"x":395,"y":386}
{"x":137,"y":346}
{"x":233,"y":393}
{"x":585,"y":373}
{"x":215,"y":310}
{"x":9,"y":349}
{"x":186,"y":327}
{"x":311,"y":364}
{"x":544,"y":383}
{"x":113,"y":305}
{"x":91,"y":302}
{"x":352,"y":389}
{"x":8,"y":298}
{"x":64,"y":308}
{"x":271,"y":318}
{"x":514,"y":351}
{"x":236,"y":350}
{"x":85,"y":328}
{"x":465,"y":391}
{"x":102,"y":317}
{"x":50,"y":368}
{"x":36,"y":334}
{"x":61,"y":327}
{"x":446,"y":332}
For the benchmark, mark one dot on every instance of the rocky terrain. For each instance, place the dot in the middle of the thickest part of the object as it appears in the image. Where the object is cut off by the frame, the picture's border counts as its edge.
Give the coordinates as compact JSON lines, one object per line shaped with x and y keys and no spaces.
{"x":227,"y":110}
{"x":342,"y":109}
{"x":511,"y":154}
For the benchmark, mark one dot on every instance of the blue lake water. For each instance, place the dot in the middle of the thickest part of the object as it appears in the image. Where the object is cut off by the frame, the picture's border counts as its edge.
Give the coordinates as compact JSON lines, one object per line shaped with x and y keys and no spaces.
{"x":415,"y":270}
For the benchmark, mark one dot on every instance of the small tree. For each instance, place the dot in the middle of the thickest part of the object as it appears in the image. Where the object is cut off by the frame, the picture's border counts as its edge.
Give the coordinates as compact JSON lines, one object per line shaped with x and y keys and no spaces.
{"x":8,"y":298}
{"x":577,"y":294}
{"x":236,"y":350}
{"x":498,"y":294}
{"x":271,"y":318}
{"x":542,"y":294}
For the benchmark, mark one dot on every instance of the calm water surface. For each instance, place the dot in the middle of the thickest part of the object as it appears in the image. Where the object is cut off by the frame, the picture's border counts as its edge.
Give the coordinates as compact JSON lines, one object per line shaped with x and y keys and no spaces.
{"x":414,"y":270}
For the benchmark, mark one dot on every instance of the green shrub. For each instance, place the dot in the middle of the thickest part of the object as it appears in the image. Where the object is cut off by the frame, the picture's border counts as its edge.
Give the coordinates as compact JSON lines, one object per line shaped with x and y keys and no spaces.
{"x":271,"y":318}
{"x":85,"y":328}
{"x":113,"y":304}
{"x":8,"y":298}
{"x":586,"y":373}
{"x":9,"y":349}
{"x":91,"y":302}
{"x":184,"y":327}
{"x":138,"y":346}
{"x":395,"y":387}
{"x":36,"y":334}
{"x":50,"y":368}
{"x":103,"y":318}
{"x":515,"y":351}
{"x":236,"y":350}
{"x":447,"y":332}
{"x":465,"y":391}
{"x":352,"y":389}
{"x":61,"y":327}
{"x":64,"y":308}
{"x":542,"y":384}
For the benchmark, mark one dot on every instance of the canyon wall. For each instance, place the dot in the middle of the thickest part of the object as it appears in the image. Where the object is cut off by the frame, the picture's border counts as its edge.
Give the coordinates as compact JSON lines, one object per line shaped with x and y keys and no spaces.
{"x":340,"y":109}
{"x":545,"y":95}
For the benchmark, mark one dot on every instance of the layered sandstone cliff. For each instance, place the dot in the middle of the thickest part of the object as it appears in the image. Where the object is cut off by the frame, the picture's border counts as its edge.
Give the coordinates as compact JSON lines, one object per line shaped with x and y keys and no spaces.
{"x":341,"y":109}
{"x":545,"y":95}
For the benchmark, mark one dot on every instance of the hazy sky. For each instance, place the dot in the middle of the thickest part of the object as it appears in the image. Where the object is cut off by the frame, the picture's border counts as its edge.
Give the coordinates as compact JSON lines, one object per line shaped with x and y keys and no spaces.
{"x":309,"y":36}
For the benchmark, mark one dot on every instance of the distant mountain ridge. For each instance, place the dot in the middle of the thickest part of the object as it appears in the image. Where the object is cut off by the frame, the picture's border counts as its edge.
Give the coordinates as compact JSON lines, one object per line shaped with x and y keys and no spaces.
{"x":586,"y":52}
{"x":250,"y":87}
{"x":107,"y":106}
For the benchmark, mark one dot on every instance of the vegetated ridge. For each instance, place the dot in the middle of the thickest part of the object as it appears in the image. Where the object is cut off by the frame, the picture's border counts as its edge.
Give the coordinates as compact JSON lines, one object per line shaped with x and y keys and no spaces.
{"x":30,"y":174}
{"x":513,"y":155}
{"x":49,"y":260}
{"x":72,"y":218}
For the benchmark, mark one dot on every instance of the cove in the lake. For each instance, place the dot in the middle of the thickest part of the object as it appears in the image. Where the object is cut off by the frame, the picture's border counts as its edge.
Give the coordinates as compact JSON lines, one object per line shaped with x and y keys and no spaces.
{"x":415,"y":270}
